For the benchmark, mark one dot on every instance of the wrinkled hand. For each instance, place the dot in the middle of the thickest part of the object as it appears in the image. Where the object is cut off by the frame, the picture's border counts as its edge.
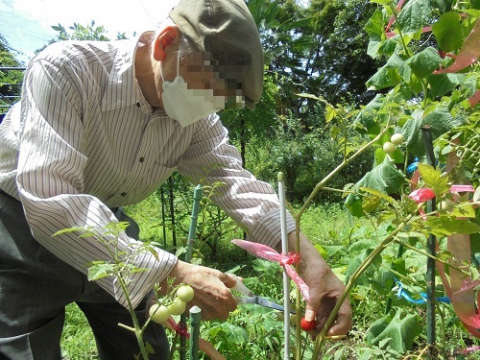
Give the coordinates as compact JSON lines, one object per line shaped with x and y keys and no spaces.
{"x":325,"y":290}
{"x":212,"y":289}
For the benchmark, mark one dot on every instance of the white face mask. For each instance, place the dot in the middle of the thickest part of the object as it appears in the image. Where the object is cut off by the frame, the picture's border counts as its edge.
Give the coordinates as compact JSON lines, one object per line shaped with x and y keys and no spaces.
{"x":188,"y":105}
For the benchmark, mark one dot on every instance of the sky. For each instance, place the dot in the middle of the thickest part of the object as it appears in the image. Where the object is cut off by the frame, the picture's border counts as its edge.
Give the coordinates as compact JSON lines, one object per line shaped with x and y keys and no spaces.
{"x":26,"y":24}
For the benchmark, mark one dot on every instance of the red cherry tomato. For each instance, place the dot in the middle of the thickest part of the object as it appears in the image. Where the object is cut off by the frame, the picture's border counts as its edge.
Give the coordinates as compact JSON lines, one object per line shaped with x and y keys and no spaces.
{"x":308,"y":325}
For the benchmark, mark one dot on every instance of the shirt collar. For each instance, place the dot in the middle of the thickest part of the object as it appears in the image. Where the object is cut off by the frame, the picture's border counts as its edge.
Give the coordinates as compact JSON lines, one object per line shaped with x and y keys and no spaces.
{"x":122,"y":86}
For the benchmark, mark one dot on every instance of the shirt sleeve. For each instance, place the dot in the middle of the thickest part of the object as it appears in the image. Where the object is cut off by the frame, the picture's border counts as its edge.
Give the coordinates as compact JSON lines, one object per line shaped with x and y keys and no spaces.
{"x":252,"y":203}
{"x":50,"y":180}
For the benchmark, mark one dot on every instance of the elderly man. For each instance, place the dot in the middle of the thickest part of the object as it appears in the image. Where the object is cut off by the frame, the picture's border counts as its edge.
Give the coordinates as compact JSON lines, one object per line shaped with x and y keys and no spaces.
{"x":102,"y":125}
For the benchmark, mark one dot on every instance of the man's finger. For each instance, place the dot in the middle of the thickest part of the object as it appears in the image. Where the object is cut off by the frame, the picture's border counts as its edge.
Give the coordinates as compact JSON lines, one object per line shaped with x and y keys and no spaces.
{"x":229,"y":280}
{"x":343,"y":322}
{"x":309,"y":314}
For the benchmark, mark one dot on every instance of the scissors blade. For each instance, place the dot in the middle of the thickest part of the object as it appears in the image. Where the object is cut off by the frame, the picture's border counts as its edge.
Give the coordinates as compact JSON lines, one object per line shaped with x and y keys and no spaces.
{"x":242,"y":300}
{"x":272,"y":305}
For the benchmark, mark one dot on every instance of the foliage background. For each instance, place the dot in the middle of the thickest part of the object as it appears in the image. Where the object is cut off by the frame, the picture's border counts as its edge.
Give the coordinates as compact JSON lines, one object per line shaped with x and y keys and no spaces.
{"x":338,"y":52}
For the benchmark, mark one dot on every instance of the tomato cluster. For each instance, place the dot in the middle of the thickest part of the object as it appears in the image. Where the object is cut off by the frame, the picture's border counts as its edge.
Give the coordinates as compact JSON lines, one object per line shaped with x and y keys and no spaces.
{"x":161,"y":313}
{"x":395,"y":140}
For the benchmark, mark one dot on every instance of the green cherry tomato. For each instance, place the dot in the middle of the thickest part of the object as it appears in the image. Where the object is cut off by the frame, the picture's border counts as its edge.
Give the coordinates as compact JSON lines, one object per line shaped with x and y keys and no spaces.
{"x":397,"y":139}
{"x":388,"y":147}
{"x":446,"y":205}
{"x":159,"y":313}
{"x":177,"y":307}
{"x":185,"y":293}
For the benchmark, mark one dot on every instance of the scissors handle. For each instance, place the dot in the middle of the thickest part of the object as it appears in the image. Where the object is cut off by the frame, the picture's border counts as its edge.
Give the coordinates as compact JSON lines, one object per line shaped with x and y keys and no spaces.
{"x":241,"y":288}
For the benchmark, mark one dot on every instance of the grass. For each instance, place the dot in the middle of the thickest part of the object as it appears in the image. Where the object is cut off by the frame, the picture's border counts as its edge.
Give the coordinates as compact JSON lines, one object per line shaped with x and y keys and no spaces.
{"x":77,"y":341}
{"x":253,"y":332}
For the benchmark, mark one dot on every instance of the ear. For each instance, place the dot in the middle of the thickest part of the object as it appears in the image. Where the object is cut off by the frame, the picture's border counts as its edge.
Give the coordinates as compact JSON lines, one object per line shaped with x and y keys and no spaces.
{"x":168,"y":36}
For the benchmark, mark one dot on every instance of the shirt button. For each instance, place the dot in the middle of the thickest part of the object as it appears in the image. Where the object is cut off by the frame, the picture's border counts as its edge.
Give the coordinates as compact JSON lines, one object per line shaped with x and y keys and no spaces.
{"x":123,"y":194}
{"x":138,"y":104}
{"x":142,"y":159}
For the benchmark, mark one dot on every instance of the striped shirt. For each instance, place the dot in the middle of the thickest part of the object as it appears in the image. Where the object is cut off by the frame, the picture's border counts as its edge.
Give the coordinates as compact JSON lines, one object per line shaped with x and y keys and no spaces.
{"x":83,"y":140}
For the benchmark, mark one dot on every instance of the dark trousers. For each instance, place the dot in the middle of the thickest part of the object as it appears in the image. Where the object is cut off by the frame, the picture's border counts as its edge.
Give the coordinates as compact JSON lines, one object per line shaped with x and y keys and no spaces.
{"x":35,"y":287}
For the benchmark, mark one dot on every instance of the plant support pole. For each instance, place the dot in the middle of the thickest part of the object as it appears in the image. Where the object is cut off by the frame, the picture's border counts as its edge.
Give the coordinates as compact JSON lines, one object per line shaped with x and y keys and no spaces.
{"x":431,"y":242}
{"x":197,"y":197}
{"x":195,"y":318}
{"x":286,"y":280}
{"x":162,"y":195}
{"x":172,"y":212}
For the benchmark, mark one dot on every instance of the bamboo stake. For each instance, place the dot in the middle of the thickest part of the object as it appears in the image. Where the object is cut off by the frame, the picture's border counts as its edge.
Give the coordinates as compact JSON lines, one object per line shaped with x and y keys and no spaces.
{"x":164,"y":228}
{"x":197,"y":197}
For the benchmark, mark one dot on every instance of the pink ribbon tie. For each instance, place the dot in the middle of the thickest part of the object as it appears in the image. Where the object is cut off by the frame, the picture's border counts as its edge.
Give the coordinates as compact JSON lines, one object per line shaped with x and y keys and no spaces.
{"x":267,"y":253}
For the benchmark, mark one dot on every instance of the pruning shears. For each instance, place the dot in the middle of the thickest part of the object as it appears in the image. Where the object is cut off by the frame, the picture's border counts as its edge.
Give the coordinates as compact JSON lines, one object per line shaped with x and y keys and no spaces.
{"x":251,"y":298}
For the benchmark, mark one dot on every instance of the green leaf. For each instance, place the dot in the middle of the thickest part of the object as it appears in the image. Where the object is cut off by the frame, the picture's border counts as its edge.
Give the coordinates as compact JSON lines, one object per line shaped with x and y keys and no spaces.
{"x":464,"y":210}
{"x":321,"y":251}
{"x":365,"y":119}
{"x":414,"y":16}
{"x":374,"y":29}
{"x":149,"y":347}
{"x":370,"y":203}
{"x":408,"y":205}
{"x":383,"y":78}
{"x":425,"y":63}
{"x":440,"y":84}
{"x":333,"y":249}
{"x":444,"y":5}
{"x":441,"y":121}
{"x":236,"y":334}
{"x":355,"y":263}
{"x":311,"y":96}
{"x":401,"y":332}
{"x":433,"y":178}
{"x":330,"y":113}
{"x":378,"y":194}
{"x":397,"y":156}
{"x":354,"y":204}
{"x":469,"y":53}
{"x":99,"y":271}
{"x":449,"y":32}
{"x":447,"y":225}
{"x":385,"y":178}
{"x":387,"y":47}
{"x":388,"y":75}
{"x":70,"y":230}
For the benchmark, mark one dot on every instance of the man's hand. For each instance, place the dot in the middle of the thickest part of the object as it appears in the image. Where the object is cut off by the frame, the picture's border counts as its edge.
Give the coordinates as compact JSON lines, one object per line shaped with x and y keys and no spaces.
{"x":212,"y":289}
{"x":325,"y":289}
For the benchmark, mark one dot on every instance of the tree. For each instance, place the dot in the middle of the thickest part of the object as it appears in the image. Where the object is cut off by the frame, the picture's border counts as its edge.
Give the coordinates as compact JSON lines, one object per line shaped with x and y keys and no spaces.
{"x":10,"y":80}
{"x":320,"y":50}
{"x":80,"y":32}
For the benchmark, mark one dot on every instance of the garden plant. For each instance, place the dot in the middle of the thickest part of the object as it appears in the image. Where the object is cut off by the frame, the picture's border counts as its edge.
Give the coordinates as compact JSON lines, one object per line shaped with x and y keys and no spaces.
{"x":408,"y":250}
{"x":431,"y":75}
